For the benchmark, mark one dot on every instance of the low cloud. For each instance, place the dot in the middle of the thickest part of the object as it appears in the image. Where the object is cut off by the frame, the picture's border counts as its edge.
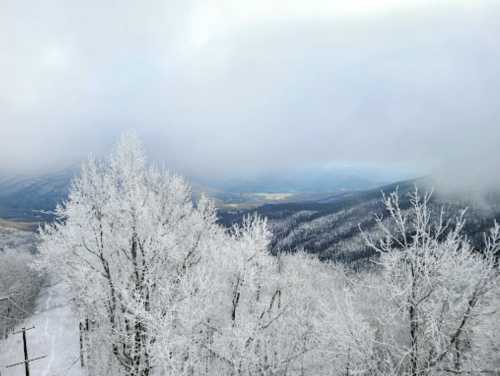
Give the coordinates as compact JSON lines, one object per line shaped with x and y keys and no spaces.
{"x":217,"y":90}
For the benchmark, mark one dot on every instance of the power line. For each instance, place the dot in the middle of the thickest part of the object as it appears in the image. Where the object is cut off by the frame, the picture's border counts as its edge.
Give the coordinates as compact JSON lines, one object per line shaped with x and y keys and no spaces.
{"x":12,"y":301}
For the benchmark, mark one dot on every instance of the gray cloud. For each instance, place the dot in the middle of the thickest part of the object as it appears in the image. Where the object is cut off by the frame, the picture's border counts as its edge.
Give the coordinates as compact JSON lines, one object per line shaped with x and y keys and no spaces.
{"x":216,"y":89}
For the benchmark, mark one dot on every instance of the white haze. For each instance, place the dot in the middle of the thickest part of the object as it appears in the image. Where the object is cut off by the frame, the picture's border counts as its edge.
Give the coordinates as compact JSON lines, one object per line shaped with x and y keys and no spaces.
{"x":225,"y":88}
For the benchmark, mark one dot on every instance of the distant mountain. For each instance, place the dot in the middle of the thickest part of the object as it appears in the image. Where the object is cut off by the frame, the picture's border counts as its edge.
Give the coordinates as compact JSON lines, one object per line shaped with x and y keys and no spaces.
{"x":330,"y":226}
{"x":33,"y":197}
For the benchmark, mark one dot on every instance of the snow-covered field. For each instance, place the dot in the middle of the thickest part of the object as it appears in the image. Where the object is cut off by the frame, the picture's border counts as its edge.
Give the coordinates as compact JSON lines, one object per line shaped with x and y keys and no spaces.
{"x":55,"y":335}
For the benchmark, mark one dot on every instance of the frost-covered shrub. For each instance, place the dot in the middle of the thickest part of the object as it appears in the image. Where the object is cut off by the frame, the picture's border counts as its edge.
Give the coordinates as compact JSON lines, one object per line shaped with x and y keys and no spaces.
{"x":20,"y":283}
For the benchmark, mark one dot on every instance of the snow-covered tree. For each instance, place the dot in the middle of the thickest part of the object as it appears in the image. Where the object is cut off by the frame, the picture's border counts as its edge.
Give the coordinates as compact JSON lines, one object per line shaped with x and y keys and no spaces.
{"x":434,"y":292}
{"x":19,"y":287}
{"x":126,"y":241}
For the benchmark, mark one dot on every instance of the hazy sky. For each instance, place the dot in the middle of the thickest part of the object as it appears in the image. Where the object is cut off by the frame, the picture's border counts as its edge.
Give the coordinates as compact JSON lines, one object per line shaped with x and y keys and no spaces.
{"x":229,"y":87}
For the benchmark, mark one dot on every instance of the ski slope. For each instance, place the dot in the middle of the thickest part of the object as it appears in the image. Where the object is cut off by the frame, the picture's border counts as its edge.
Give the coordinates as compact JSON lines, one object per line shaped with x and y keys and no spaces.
{"x":55,"y":335}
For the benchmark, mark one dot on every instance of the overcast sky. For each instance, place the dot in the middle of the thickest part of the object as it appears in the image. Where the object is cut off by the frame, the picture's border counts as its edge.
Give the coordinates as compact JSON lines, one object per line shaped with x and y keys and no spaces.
{"x":230,"y":87}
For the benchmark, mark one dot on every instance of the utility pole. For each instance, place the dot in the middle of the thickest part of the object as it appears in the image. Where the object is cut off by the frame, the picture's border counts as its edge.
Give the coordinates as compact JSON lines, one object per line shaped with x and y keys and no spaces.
{"x":27,"y":360}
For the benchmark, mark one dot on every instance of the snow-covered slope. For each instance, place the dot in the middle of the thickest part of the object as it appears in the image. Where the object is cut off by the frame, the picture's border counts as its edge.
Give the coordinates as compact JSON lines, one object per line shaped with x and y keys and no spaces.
{"x":55,"y":335}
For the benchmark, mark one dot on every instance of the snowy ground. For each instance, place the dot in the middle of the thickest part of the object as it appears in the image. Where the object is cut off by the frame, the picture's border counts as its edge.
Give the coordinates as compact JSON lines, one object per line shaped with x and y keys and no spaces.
{"x":55,"y":335}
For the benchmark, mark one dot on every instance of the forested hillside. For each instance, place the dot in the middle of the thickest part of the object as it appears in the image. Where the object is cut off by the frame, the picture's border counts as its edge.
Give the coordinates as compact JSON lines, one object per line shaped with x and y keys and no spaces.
{"x":331,"y":227}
